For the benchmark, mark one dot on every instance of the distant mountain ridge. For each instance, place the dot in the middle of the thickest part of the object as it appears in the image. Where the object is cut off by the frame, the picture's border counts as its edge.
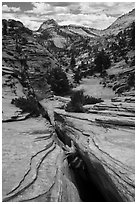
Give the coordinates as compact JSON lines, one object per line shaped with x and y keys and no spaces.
{"x":55,"y":37}
{"x":62,"y":35}
{"x":121,"y":23}
{"x":53,"y":45}
{"x":52,"y":25}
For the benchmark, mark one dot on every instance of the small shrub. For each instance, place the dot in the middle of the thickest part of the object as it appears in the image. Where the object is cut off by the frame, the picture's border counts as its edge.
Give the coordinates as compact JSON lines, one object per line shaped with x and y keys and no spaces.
{"x":4,"y":27}
{"x":29,"y":105}
{"x":76,"y":103}
{"x":132,"y":35}
{"x":131,"y":80}
{"x":112,"y":76}
{"x":78,"y":99}
{"x":77,"y":76}
{"x":73,"y":61}
{"x":132,"y":62}
{"x":91,"y":100}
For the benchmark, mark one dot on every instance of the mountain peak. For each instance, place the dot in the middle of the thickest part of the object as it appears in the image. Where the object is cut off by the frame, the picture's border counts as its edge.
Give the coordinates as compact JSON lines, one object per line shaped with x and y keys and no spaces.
{"x":50,"y":23}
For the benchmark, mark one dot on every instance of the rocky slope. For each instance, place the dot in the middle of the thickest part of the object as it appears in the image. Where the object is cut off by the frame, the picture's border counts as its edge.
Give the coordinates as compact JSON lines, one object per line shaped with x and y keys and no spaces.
{"x":121,"y":23}
{"x":104,"y":138}
{"x":61,"y":36}
{"x":34,"y":168}
{"x":105,"y":141}
{"x":17,"y":45}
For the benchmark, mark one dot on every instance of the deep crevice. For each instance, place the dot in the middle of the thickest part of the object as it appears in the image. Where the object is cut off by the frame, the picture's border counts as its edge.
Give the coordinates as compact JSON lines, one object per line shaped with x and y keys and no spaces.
{"x":88,"y":182}
{"x":88,"y":190}
{"x":89,"y":186}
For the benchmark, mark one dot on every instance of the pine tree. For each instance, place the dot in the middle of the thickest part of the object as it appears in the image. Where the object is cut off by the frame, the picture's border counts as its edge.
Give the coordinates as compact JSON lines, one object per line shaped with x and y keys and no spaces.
{"x":102,"y":62}
{"x":73,"y":61}
{"x":58,"y":80}
{"x":4,"y":27}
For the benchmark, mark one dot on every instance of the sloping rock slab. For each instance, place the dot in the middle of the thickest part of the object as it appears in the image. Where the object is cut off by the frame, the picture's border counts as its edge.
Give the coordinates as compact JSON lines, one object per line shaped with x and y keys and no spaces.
{"x":33,"y":165}
{"x":107,"y":148}
{"x":34,"y":168}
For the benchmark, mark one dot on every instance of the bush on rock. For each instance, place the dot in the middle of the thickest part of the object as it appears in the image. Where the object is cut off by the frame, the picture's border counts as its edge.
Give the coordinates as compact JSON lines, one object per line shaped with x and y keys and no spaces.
{"x":78,"y":99}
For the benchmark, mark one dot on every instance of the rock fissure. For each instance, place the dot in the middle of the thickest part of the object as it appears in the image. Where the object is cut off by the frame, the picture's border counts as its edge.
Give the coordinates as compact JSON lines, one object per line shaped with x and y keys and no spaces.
{"x":85,"y":185}
{"x":45,"y":193}
{"x":38,"y":196}
{"x":117,"y":162}
{"x":27,"y":172}
{"x":34,"y":179}
{"x":67,"y":131}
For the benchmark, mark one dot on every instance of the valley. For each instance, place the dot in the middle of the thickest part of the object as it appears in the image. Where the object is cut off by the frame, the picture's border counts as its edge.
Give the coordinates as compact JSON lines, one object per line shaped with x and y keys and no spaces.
{"x":68,"y":112}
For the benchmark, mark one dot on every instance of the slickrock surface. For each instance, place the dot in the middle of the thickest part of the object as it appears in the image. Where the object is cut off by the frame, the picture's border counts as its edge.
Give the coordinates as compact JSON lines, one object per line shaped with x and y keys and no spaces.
{"x":105,"y":139}
{"x":34,"y":168}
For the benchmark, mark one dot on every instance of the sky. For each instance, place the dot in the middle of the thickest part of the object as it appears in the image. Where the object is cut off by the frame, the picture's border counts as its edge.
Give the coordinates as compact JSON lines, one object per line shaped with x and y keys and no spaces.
{"x":97,"y":15}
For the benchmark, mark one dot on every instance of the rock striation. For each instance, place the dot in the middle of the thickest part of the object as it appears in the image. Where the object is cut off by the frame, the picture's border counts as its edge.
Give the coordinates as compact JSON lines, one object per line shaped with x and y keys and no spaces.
{"x":34,"y":168}
{"x":104,"y":138}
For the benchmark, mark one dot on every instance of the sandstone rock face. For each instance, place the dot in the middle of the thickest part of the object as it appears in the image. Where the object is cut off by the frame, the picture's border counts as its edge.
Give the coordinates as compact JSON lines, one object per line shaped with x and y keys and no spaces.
{"x":104,"y":138}
{"x":33,"y":164}
{"x":34,"y":168}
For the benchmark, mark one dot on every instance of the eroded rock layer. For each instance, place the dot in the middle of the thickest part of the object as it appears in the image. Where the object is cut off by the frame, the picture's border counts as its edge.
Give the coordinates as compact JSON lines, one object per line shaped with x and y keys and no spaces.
{"x":104,"y":137}
{"x":34,"y":168}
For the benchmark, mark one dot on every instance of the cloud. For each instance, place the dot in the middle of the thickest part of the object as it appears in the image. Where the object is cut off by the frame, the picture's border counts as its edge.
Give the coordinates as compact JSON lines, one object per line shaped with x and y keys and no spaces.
{"x":92,"y":14}
{"x":119,"y":9}
{"x":8,"y":16}
{"x":32,"y":22}
{"x":5,"y":8}
{"x":40,"y":8}
{"x":62,"y":4}
{"x":110,"y":8}
{"x":61,"y":9}
{"x":97,"y":21}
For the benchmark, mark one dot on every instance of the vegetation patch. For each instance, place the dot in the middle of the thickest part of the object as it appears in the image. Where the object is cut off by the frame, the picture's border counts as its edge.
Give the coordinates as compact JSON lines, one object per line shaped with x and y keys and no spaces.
{"x":131,"y":80}
{"x":102,"y":62}
{"x":29,"y":105}
{"x":78,"y":99}
{"x":58,"y":80}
